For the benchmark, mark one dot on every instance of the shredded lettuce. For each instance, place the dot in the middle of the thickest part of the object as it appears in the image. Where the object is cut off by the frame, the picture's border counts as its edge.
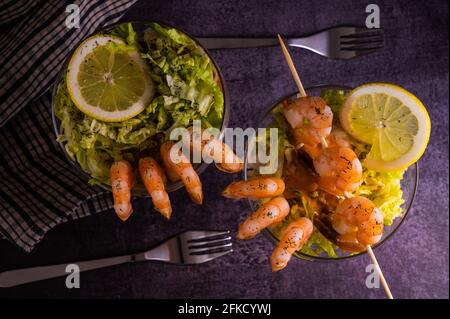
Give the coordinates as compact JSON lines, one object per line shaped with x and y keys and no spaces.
{"x":186,"y":90}
{"x":384,"y":189}
{"x":95,"y":144}
{"x":181,"y":69}
{"x":126,"y":32}
{"x":335,"y":99}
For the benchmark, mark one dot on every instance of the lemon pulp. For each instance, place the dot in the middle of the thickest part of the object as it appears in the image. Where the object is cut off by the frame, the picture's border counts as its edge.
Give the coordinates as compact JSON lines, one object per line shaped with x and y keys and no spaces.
{"x":390,"y":119}
{"x":106,"y":83}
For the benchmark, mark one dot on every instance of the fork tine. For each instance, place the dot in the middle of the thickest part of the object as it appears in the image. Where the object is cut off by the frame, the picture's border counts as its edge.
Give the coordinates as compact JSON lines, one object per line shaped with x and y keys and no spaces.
{"x":204,"y":251}
{"x":195,"y":236}
{"x":208,"y":243}
{"x":377,"y":39}
{"x":212,"y":256}
{"x":363,"y":33}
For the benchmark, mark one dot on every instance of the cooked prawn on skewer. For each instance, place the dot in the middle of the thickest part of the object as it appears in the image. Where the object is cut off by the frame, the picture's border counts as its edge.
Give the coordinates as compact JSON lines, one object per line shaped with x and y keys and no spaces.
{"x":182,"y":168}
{"x":270,"y":213}
{"x":122,"y":179}
{"x":255,"y":188}
{"x":339,"y":170}
{"x":292,"y":238}
{"x":358,"y":220}
{"x":153,"y":178}
{"x":310,"y":119}
{"x":337,"y":138}
{"x":222,"y":155}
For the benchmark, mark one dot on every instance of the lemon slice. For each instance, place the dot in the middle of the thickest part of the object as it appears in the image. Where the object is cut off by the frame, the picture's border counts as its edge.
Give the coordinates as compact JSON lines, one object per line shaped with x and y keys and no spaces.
{"x":390,"y":119}
{"x":108,"y":84}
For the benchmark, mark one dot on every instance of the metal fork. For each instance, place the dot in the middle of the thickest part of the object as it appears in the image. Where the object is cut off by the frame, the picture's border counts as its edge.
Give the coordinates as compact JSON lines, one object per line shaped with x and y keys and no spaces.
{"x":190,"y":247}
{"x":342,"y":42}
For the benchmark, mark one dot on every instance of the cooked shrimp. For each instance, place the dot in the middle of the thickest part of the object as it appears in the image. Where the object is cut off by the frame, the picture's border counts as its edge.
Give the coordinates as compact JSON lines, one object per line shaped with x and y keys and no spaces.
{"x":337,"y":137}
{"x":182,"y":168}
{"x":172,"y":176}
{"x":310,"y":119}
{"x":298,"y":177}
{"x":222,"y":155}
{"x":122,"y":180}
{"x":153,"y":178}
{"x":270,"y":213}
{"x":358,"y":218}
{"x":339,"y":170}
{"x":349,"y":242}
{"x":255,"y":188}
{"x":293,"y":237}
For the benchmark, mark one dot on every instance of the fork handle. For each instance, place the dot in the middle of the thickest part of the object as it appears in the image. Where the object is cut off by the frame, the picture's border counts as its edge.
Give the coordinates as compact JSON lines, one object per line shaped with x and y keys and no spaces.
{"x":235,"y":43}
{"x":26,"y":275}
{"x":313,"y":43}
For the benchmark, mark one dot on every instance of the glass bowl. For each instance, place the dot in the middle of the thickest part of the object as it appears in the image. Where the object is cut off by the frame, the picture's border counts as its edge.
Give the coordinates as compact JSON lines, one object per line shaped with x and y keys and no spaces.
{"x":408,"y":184}
{"x":139,"y":27}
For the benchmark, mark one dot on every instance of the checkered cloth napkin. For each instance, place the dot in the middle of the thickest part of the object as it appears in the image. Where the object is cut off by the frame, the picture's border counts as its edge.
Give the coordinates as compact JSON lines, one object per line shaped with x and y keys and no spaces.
{"x":38,"y":187}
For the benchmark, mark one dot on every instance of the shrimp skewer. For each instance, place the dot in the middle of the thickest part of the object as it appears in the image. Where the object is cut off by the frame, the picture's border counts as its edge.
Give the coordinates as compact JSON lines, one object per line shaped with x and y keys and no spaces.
{"x":311,"y":120}
{"x":369,"y":228}
{"x":270,"y":213}
{"x":358,"y":220}
{"x":255,"y":188}
{"x":292,"y":238}
{"x":309,"y":117}
{"x":153,"y":178}
{"x":181,"y":167}
{"x":122,"y":180}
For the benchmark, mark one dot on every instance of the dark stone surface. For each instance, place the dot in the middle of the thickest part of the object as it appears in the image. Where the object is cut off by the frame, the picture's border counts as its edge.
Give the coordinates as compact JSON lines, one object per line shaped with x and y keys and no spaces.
{"x":415,"y":261}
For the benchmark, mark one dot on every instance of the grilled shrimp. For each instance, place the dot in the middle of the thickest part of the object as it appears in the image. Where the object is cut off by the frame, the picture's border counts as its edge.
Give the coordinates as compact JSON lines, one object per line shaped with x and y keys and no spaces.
{"x":255,"y":188}
{"x":310,"y":119}
{"x":337,"y":138}
{"x":358,"y":220}
{"x":292,"y":238}
{"x":270,"y":213}
{"x":153,"y":178}
{"x":122,"y":180}
{"x":222,"y":155}
{"x":339,"y":170}
{"x":182,"y":168}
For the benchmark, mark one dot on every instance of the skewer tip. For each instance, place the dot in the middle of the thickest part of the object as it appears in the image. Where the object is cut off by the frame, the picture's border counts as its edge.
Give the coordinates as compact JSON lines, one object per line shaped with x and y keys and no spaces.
{"x":290,"y":63}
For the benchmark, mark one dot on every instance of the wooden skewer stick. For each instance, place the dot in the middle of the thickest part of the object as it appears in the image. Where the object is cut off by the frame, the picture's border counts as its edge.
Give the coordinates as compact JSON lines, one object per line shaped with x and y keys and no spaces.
{"x":380,"y":273}
{"x":375,"y":262}
{"x":297,"y":80}
{"x":325,"y":145}
{"x":292,"y":67}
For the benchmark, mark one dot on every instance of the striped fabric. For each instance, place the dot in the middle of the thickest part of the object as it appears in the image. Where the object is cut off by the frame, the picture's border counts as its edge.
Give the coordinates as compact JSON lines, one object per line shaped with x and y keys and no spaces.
{"x":38,"y":187}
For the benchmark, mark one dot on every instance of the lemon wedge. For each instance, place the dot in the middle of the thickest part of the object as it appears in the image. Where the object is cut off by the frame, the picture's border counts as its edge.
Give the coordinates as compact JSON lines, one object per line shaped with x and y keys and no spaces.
{"x":392,"y":120}
{"x":108,"y":84}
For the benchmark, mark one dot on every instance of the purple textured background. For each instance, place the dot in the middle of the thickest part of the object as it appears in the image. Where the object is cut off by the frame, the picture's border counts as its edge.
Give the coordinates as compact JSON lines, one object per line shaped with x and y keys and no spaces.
{"x":415,"y":261}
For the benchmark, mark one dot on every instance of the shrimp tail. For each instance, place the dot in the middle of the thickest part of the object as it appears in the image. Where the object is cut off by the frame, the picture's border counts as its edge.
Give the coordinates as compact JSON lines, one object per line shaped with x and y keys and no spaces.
{"x":269,"y":214}
{"x":255,"y":188}
{"x":153,"y":178}
{"x":182,"y":168}
{"x":293,"y":237}
{"x":122,"y":179}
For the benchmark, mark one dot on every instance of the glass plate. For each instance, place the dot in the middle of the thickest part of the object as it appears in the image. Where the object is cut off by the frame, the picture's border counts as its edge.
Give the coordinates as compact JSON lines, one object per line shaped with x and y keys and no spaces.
{"x":139,"y":27}
{"x":408,"y":184}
